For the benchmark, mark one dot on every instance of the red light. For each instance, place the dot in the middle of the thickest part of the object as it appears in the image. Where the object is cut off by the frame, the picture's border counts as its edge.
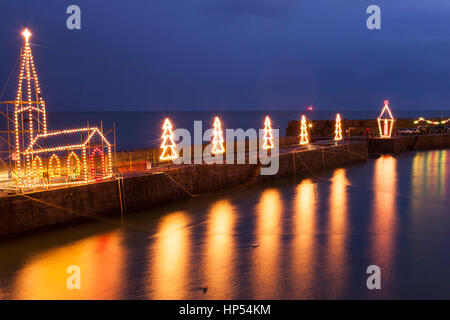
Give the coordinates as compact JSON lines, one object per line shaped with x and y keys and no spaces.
{"x":102,"y":158}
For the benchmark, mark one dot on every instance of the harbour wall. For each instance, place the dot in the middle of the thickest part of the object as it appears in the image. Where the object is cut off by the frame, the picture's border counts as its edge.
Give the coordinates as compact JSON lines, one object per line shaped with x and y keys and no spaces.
{"x":326,"y":128}
{"x":313,"y":160}
{"x":138,"y":160}
{"x":406,"y":143}
{"x":36,"y":211}
{"x":44,"y":209}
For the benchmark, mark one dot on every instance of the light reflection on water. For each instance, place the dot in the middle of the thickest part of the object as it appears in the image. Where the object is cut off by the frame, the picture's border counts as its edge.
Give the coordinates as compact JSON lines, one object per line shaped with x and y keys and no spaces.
{"x":100,"y":259}
{"x":220,"y":265}
{"x":265,"y":258}
{"x":315,"y":238}
{"x":304,"y":246}
{"x":384,"y":214}
{"x":337,"y":230}
{"x":170,"y":258}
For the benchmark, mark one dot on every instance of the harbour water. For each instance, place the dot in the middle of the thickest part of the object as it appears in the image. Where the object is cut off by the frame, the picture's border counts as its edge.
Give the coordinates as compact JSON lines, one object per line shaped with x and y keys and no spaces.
{"x":301,"y":238}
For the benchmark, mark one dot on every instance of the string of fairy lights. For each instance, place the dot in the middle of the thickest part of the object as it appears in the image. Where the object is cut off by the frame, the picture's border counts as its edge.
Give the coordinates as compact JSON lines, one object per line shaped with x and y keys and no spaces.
{"x":421,"y":119}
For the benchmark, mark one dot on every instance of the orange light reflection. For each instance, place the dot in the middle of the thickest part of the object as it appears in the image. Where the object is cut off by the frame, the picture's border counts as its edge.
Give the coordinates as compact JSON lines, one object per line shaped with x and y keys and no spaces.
{"x":304,"y":242}
{"x":337,"y":233}
{"x":220,"y":251}
{"x":266,"y":257}
{"x":384,"y":208}
{"x":170,"y":258}
{"x":99,"y":258}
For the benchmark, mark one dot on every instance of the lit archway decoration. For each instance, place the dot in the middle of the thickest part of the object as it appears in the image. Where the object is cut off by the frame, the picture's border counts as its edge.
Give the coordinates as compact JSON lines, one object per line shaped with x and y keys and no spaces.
{"x":38,"y":170}
{"x":54,"y":171}
{"x":102,"y":159}
{"x":303,"y":132}
{"x":338,"y":130}
{"x":268,"y":136}
{"x":386,"y":121}
{"x":75,"y":170}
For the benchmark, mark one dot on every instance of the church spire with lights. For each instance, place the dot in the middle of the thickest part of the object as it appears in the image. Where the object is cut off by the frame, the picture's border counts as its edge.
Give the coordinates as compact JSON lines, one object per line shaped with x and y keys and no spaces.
{"x":30,"y":114}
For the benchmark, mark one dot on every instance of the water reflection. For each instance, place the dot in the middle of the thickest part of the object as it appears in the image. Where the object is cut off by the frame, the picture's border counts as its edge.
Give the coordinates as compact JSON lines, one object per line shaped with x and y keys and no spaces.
{"x":304,"y":242}
{"x":418,"y":173}
{"x":429,"y":178}
{"x":266,"y":262}
{"x":337,"y":229}
{"x":383,"y":215}
{"x":220,"y":250}
{"x":430,"y":175}
{"x":443,"y":174}
{"x":169,"y":267}
{"x":316,"y":239}
{"x":100,"y":259}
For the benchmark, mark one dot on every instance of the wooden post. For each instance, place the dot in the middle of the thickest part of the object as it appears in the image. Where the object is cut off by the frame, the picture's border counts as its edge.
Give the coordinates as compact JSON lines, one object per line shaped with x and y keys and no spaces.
{"x":323,"y":158}
{"x":121,"y":197}
{"x":115,"y":154}
{"x":129,"y":154}
{"x":293,"y":162}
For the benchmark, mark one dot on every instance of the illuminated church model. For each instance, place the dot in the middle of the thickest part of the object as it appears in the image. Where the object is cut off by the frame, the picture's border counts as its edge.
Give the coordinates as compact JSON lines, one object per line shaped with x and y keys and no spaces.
{"x":52,"y":158}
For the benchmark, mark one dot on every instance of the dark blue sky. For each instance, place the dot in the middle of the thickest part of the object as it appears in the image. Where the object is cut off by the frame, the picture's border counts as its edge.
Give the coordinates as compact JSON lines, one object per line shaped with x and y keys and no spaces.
{"x":233,"y":54}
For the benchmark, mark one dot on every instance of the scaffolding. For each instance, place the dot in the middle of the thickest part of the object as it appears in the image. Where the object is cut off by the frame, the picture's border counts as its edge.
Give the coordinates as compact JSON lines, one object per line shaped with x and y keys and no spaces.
{"x":6,"y":147}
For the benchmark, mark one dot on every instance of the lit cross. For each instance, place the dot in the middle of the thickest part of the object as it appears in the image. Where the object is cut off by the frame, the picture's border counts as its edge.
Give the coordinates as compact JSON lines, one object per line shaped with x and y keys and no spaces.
{"x":27,"y":34}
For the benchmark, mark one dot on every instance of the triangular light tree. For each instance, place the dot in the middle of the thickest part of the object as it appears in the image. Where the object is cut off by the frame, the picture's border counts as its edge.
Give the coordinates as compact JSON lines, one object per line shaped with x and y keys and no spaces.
{"x":338,"y":130}
{"x":303,"y":132}
{"x":217,"y":137}
{"x":168,"y":145}
{"x":268,"y":136}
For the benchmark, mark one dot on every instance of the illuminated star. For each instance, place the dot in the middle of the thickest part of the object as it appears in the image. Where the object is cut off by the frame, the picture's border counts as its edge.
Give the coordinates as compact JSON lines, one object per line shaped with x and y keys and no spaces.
{"x":27,"y":34}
